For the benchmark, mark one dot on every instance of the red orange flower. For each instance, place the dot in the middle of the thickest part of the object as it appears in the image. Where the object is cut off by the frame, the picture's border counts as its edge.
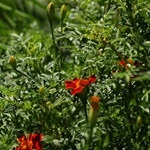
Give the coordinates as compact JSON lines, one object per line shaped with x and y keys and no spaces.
{"x":126,"y":63}
{"x":77,"y":85}
{"x":30,"y":142}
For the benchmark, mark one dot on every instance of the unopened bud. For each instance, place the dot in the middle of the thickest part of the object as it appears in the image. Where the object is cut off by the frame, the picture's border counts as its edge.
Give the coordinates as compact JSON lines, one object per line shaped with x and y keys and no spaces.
{"x":94,"y":109}
{"x":50,"y":11}
{"x":12,"y":62}
{"x":139,"y":121}
{"x":41,"y":90}
{"x":63,"y":12}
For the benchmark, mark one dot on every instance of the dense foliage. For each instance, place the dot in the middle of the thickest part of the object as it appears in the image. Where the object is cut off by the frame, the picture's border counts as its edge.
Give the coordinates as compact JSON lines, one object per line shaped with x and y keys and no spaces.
{"x":107,"y":39}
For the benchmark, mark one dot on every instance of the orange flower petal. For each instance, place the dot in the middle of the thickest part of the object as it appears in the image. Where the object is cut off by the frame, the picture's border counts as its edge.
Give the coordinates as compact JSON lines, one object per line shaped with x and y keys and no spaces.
{"x":77,"y":90}
{"x":130,"y":61}
{"x":75,"y":80}
{"x":94,"y":102}
{"x":25,"y":145}
{"x":37,"y":146}
{"x":21,"y":139}
{"x":92,"y":79}
{"x":95,"y":99}
{"x":76,"y":85}
{"x":70,"y":85}
{"x":122,"y":63}
{"x":84,"y":82}
{"x":30,"y":143}
{"x":36,"y":138}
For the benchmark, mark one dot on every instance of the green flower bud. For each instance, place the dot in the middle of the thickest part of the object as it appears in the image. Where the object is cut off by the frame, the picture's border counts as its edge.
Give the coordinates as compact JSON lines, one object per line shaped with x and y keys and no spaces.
{"x":139,"y":121}
{"x":41,"y":90}
{"x":63,"y":12}
{"x":94,"y":109}
{"x":12,"y":62}
{"x":50,"y":12}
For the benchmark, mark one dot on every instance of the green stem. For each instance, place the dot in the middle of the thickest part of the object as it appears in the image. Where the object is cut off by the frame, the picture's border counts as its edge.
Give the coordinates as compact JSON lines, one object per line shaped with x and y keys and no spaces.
{"x":26,"y":75}
{"x":85,"y":112}
{"x":53,"y":38}
{"x":61,"y":26}
{"x":52,"y":32}
{"x":61,"y":57}
{"x":22,"y":73}
{"x":90,"y":139}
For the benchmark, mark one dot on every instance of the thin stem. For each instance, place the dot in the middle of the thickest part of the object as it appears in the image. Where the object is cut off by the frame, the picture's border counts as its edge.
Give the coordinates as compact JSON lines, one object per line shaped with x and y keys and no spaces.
{"x":61,"y":26}
{"x":53,"y":38}
{"x":22,"y":73}
{"x":85,"y":112}
{"x":26,"y":75}
{"x":56,"y":48}
{"x":90,"y":137}
{"x":52,"y":32}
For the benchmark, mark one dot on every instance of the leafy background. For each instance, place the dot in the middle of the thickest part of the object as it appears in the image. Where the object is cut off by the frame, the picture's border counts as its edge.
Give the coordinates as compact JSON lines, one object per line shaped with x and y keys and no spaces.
{"x":95,"y":36}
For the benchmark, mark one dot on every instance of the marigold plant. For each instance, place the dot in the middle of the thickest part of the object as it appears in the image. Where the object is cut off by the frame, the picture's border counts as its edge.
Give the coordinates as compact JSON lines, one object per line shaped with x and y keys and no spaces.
{"x":45,"y":44}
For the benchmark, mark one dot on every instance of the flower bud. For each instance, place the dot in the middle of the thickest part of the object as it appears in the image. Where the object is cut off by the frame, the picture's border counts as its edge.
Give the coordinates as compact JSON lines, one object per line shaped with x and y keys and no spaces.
{"x":12,"y":62}
{"x":50,"y":11}
{"x":93,"y":113}
{"x":139,"y":121}
{"x":63,"y":12}
{"x":41,"y":90}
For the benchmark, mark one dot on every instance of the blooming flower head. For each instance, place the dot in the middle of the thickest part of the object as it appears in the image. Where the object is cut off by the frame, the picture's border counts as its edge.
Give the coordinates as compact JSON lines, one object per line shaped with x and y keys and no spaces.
{"x":126,"y":63}
{"x":77,"y":85}
{"x":30,"y":142}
